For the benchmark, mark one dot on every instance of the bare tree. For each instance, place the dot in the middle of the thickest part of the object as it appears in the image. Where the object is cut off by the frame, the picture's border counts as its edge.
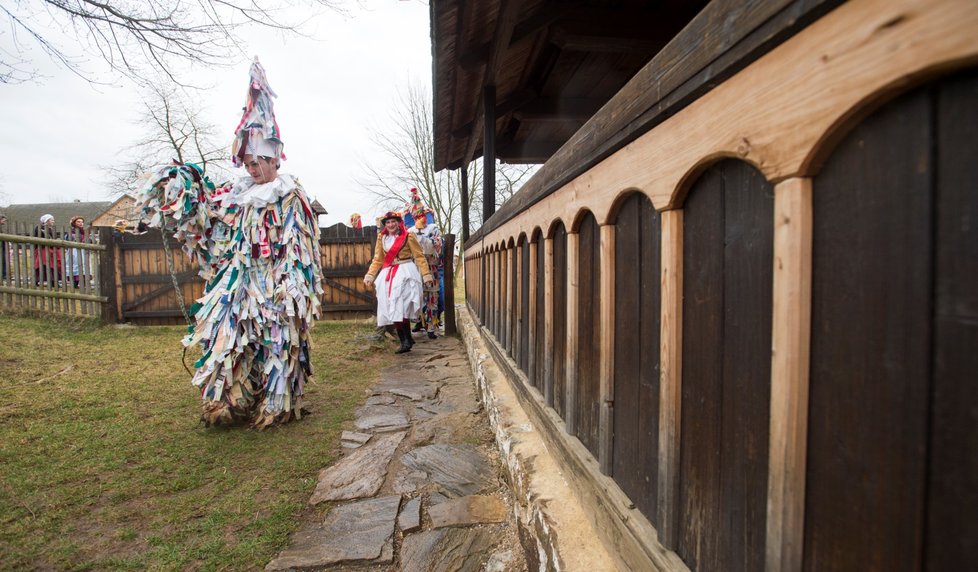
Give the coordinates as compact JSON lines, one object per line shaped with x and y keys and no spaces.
{"x":175,"y":131}
{"x":138,"y":39}
{"x":410,"y":148}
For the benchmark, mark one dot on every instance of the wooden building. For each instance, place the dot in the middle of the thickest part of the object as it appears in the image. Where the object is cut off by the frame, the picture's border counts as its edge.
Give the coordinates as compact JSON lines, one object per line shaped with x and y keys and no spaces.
{"x":740,"y":298}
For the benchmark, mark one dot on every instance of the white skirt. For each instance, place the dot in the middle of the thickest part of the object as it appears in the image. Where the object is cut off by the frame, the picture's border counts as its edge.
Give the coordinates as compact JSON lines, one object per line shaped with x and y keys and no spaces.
{"x":404,"y":300}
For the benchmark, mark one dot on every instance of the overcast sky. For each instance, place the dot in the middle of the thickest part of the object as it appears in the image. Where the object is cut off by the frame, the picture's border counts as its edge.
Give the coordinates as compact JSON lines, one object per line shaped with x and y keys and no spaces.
{"x":331,"y":91}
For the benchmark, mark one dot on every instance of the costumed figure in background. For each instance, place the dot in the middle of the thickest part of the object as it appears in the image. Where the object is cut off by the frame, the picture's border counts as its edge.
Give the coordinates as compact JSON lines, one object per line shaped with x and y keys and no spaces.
{"x":256,"y":243}
{"x":355,"y":221}
{"x":429,"y":237}
{"x":400,"y":271}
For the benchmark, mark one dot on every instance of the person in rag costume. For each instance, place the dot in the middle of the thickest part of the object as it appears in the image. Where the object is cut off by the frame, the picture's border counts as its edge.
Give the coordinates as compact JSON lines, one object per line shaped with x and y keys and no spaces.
{"x":400,"y":271}
{"x":430,"y":239}
{"x":256,"y":243}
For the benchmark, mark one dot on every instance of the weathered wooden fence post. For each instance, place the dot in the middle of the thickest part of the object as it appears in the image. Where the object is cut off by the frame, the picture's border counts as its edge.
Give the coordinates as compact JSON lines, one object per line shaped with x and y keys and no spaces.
{"x":107,"y":275}
{"x":448,"y":271}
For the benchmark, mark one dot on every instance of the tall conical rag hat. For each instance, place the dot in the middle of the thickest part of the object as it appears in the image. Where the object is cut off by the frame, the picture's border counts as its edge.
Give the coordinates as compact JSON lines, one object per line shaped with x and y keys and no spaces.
{"x":257,"y":133}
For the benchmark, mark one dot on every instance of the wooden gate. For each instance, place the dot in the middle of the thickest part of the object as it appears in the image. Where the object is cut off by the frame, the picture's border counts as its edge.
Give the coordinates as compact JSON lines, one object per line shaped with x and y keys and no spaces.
{"x":139,"y":285}
{"x":345,"y":253}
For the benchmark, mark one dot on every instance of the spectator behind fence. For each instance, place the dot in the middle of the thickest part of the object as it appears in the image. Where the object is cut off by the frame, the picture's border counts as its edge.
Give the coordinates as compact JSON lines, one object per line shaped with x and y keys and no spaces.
{"x":47,"y":259}
{"x":76,"y":256}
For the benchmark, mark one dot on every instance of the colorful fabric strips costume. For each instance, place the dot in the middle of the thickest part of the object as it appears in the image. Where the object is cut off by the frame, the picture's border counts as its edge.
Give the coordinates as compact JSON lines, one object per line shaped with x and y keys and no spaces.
{"x":257,"y":247}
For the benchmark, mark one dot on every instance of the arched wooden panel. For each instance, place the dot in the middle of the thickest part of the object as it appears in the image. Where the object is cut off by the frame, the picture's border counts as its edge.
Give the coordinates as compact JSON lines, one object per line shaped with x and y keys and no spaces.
{"x":726,"y":368}
{"x":637,"y":304}
{"x":537,"y":377}
{"x":514,"y":287}
{"x":588,"y":391}
{"x":524,"y":312}
{"x":892,"y":470}
{"x":560,"y":318}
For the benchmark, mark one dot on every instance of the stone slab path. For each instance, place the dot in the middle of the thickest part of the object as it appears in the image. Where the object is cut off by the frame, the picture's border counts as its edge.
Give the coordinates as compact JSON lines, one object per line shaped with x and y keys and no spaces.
{"x":420,"y":486}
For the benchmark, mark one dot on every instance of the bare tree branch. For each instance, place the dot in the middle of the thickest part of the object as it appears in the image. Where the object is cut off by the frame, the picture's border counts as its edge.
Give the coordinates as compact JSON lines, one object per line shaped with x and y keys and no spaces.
{"x":409,"y":147}
{"x":139,"y":39}
{"x":175,"y":131}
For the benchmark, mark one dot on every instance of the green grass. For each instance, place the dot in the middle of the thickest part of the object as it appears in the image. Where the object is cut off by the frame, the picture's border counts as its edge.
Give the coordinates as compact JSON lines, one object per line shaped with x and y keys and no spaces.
{"x":104,"y":464}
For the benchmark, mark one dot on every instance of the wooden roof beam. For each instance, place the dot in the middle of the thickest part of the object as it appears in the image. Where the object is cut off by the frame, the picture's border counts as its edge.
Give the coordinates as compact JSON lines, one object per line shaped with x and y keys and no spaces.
{"x":560,"y":109}
{"x":545,"y":16}
{"x":508,"y":11}
{"x":528,"y":152}
{"x":510,"y":104}
{"x":606,"y":43}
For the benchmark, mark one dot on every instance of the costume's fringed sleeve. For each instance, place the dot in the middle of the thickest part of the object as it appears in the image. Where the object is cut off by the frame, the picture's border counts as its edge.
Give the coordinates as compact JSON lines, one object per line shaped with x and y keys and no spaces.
{"x":181,"y":203}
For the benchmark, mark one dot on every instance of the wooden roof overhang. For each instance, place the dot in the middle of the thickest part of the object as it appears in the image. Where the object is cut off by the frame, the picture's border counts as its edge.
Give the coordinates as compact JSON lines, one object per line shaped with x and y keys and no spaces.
{"x":552,"y":64}
{"x":723,"y":38}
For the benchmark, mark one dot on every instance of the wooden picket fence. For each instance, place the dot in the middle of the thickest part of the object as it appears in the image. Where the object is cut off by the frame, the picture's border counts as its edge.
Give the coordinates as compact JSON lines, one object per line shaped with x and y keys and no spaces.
{"x":138,"y":278}
{"x":50,"y":269}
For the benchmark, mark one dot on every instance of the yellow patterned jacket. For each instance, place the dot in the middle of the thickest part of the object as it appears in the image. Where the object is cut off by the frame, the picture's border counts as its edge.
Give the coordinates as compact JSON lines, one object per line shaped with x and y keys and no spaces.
{"x":410,"y":250}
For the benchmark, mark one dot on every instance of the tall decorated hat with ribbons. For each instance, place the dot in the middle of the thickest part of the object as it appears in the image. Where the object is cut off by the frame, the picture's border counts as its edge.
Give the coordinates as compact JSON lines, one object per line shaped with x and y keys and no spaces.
{"x":257,"y":133}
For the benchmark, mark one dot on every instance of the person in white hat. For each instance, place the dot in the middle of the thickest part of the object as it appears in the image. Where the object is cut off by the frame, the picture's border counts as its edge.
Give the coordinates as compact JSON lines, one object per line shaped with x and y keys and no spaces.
{"x":257,"y":245}
{"x":47,"y":259}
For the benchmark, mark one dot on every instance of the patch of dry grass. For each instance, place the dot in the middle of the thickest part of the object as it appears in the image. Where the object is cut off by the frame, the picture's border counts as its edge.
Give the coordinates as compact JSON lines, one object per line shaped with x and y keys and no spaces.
{"x":104,"y":465}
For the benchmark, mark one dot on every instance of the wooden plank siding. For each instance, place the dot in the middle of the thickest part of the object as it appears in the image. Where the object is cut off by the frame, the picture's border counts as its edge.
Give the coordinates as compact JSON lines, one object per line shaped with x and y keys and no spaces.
{"x":636,"y":373}
{"x":587,"y":397}
{"x":781,"y":325}
{"x":891,"y":466}
{"x":728,"y":244}
{"x":559,"y":313}
{"x":525,"y":279}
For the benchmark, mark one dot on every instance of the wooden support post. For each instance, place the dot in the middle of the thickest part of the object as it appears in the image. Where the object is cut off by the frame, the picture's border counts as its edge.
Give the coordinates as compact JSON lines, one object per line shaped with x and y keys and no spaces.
{"x":531,"y":322}
{"x":489,"y":154}
{"x":548,"y":321}
{"x":573,"y":279}
{"x":448,"y":272}
{"x":670,"y":375}
{"x":465,"y":204}
{"x":606,"y":365}
{"x":790,"y":337}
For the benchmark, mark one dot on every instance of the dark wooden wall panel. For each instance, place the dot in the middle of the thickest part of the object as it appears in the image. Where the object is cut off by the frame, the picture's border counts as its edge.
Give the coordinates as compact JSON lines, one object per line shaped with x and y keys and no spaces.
{"x":514,"y":288}
{"x":524,"y":329}
{"x":560,"y":318}
{"x":870,"y":339}
{"x":637,"y":303}
{"x":539,"y":349}
{"x":727,"y":260}
{"x":952,"y":498}
{"x":588,"y":393}
{"x":892,"y":470}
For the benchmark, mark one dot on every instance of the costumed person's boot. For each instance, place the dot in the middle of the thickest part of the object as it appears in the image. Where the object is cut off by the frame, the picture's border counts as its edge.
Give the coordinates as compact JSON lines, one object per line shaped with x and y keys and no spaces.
{"x":407,"y":333}
{"x":404,"y":336}
{"x":418,"y":326}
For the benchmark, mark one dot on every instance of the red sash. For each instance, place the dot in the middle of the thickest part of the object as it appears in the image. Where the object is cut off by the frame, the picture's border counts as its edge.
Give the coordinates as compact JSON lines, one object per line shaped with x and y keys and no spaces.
{"x":391,"y":257}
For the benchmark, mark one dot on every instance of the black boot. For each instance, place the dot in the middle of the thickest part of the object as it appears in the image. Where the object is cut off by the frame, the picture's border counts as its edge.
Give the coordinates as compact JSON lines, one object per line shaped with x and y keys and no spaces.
{"x":407,"y":334}
{"x":404,"y":336}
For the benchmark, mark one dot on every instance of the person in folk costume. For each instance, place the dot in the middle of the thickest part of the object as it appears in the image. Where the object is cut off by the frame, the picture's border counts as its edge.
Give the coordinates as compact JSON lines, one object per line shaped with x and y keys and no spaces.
{"x":430,"y":239}
{"x":257,"y":246}
{"x":399,"y":268}
{"x":355,"y":221}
